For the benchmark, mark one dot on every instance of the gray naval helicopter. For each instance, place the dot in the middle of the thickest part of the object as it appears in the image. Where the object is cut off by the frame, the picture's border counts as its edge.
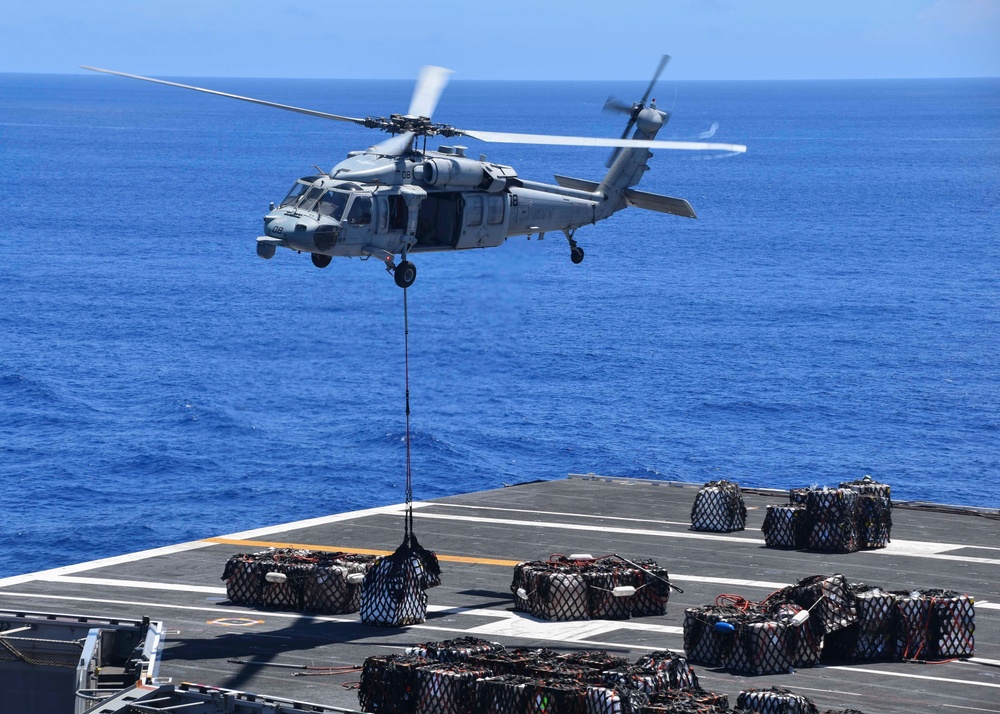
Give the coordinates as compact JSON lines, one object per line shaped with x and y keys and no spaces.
{"x":396,"y":199}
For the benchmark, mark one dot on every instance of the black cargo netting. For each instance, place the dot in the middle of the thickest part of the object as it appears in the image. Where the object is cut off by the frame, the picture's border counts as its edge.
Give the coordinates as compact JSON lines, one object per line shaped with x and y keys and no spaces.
{"x":393,"y":590}
{"x":775,"y":701}
{"x":804,"y":641}
{"x":556,"y":695}
{"x":832,"y":520}
{"x":934,"y":624}
{"x":719,"y":507}
{"x":686,"y":701}
{"x":503,"y":694}
{"x":447,"y":688}
{"x":609,"y":588}
{"x":673,"y":668}
{"x":243,"y":579}
{"x":703,"y":642}
{"x":513,"y":662}
{"x":315,"y":581}
{"x":828,"y":598}
{"x":389,"y":684}
{"x":785,"y":526}
{"x":858,"y":515}
{"x":760,"y":646}
{"x":614,"y":700}
{"x":873,"y":635}
{"x":460,"y":649}
{"x":334,"y":588}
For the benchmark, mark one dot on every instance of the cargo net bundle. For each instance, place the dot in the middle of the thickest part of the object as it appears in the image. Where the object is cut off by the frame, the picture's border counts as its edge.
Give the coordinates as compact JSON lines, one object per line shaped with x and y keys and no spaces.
{"x":393,"y":590}
{"x":585,"y":588}
{"x":856,"y":516}
{"x":290,"y":579}
{"x":780,"y":701}
{"x":473,"y":676}
{"x":719,"y":508}
{"x":751,"y":638}
{"x":823,"y":617}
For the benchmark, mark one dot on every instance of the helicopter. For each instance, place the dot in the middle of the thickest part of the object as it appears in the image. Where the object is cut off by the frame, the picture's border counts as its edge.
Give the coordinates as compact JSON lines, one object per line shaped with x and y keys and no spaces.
{"x":397,"y":198}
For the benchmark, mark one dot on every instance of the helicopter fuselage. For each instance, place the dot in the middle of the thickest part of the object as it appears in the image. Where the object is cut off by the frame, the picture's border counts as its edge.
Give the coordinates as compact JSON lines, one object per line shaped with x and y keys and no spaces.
{"x":375,"y":205}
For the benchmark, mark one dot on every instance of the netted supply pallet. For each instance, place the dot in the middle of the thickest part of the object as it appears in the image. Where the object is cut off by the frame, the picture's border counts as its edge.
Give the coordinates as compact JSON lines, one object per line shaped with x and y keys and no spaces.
{"x":674,"y":669}
{"x":874,"y":511}
{"x":934,"y":624}
{"x":503,"y":694}
{"x":872,"y":636}
{"x":718,"y":507}
{"x":512,"y":662}
{"x":704,"y":643}
{"x":828,"y":598}
{"x":447,"y":688}
{"x":686,"y":701}
{"x":774,"y":701}
{"x":597,"y":661}
{"x":292,"y":579}
{"x":584,"y":588}
{"x":614,"y":700}
{"x":831,"y":520}
{"x":460,"y":649}
{"x":785,"y":526}
{"x":389,"y":684}
{"x":287,"y":593}
{"x":760,"y":645}
{"x":804,"y":640}
{"x":244,"y":581}
{"x":392,"y":593}
{"x":334,"y":587}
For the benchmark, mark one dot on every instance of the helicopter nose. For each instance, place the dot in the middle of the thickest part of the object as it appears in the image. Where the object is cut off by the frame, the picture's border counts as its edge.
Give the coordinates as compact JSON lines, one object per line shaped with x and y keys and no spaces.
{"x":295,"y":231}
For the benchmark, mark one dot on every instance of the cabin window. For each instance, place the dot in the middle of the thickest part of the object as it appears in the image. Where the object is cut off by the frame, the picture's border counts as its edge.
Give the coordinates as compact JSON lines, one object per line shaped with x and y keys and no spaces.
{"x":383,"y":213}
{"x":495,"y":204}
{"x":332,"y":204}
{"x":361,"y":211}
{"x":474,"y":210}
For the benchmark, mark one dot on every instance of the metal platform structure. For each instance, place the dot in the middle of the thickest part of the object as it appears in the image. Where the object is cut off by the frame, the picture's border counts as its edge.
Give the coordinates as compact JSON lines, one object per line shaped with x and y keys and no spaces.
{"x":478,"y":538}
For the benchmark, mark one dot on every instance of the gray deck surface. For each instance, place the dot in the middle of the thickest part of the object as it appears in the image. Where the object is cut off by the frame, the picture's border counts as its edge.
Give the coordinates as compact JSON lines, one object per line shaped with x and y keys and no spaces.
{"x":181,"y":586}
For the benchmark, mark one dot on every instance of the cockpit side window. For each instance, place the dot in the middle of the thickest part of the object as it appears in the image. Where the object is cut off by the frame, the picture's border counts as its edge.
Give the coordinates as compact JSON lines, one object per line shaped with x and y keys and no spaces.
{"x":361,"y":211}
{"x":332,"y":204}
{"x":297,"y":190}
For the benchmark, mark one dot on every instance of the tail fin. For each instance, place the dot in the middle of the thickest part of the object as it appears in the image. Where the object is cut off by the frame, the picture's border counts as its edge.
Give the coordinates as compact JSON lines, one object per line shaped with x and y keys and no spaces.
{"x":630,"y":164}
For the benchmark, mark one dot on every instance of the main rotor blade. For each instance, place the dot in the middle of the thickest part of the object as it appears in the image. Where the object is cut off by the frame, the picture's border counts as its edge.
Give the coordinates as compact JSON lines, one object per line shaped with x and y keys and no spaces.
{"x":394,"y":145}
{"x":550,"y":140}
{"x":430,"y":84}
{"x":656,"y":76}
{"x":286,"y":107}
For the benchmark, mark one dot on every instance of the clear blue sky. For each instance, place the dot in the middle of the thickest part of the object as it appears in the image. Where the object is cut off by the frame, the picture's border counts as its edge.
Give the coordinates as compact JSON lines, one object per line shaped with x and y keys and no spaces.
{"x":512,"y":39}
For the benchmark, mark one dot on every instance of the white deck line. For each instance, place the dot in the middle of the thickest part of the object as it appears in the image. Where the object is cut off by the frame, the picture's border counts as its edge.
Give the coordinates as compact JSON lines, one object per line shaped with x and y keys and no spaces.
{"x":395,"y":509}
{"x":912,"y":548}
{"x":577,"y":636}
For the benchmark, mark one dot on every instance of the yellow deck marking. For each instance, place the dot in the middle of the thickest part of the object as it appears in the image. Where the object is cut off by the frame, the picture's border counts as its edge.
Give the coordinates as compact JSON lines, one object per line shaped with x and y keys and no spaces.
{"x":360,"y":551}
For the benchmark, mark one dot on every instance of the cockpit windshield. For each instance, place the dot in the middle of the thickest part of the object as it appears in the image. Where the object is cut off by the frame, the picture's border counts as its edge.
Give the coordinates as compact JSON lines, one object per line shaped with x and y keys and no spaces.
{"x":297,"y":190}
{"x":332,"y":204}
{"x":308,"y":202}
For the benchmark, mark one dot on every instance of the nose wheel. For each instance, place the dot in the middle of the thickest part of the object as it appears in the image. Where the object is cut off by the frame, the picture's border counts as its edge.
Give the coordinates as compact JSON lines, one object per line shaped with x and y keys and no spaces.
{"x":575,"y":251}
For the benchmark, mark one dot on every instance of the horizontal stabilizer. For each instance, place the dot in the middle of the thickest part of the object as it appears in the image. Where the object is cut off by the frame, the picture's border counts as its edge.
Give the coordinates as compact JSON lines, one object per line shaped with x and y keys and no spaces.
{"x":639,"y":199}
{"x":661,"y":204}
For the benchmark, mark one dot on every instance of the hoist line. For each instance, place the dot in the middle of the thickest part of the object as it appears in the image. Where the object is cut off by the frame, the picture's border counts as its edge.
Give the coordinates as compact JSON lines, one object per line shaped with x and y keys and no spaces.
{"x":406,"y":369}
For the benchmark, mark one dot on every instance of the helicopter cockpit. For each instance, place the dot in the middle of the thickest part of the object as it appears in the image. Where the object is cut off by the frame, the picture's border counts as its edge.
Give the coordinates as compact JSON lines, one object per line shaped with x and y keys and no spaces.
{"x":344,"y":202}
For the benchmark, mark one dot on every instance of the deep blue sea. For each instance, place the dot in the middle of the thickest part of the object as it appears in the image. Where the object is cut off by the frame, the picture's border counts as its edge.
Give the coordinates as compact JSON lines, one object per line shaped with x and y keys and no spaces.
{"x":835,"y":310}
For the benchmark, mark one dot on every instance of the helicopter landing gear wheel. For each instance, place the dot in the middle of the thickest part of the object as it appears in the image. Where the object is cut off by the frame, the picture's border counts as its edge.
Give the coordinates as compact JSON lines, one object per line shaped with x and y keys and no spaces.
{"x":575,"y":251}
{"x":320,"y":260}
{"x":404,"y":274}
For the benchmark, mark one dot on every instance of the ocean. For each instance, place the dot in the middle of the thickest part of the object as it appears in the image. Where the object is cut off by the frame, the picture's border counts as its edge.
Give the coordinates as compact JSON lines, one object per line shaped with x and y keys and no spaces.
{"x":834,"y":312}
